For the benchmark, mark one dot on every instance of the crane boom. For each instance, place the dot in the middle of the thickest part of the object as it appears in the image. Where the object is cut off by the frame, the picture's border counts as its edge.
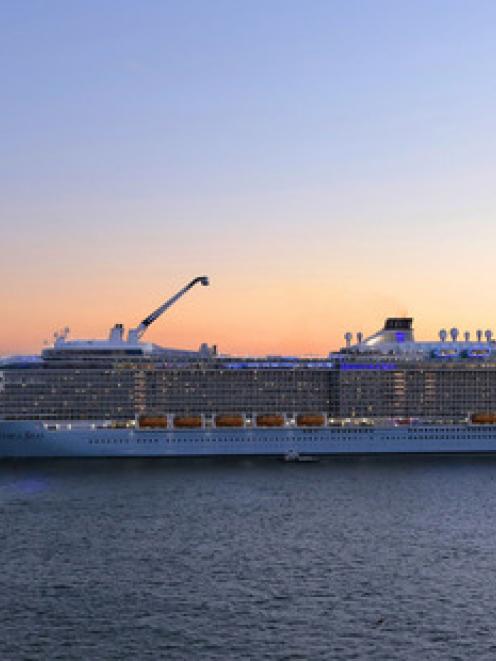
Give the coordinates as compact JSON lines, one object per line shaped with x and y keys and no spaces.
{"x":136,"y":333}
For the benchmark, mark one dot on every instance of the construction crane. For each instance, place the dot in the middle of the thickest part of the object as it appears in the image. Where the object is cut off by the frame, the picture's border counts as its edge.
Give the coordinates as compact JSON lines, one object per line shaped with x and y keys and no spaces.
{"x":135,"y":334}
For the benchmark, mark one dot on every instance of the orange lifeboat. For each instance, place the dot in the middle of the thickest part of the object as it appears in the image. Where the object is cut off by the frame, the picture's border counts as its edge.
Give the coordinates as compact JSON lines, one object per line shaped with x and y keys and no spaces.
{"x":485,"y":418}
{"x":270,"y":420}
{"x":152,"y":421}
{"x":229,"y":420}
{"x":187,"y":421}
{"x":310,"y":420}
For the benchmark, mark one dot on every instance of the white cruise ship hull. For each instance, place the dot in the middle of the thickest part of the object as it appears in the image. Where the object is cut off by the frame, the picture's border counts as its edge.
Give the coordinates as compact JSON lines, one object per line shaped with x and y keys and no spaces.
{"x":34,"y":439}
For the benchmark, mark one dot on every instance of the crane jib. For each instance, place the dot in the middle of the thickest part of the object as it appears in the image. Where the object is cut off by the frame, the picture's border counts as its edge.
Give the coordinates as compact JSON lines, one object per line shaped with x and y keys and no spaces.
{"x":160,"y":310}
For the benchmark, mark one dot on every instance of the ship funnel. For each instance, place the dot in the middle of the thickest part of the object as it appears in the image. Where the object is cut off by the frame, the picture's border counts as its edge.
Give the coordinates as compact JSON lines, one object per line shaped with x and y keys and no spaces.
{"x":348,"y":337}
{"x":443,"y":335}
{"x":454,"y":334}
{"x":396,"y":330}
{"x":466,"y":336}
{"x":479,"y":335}
{"x":488,"y":334}
{"x":116,"y":334}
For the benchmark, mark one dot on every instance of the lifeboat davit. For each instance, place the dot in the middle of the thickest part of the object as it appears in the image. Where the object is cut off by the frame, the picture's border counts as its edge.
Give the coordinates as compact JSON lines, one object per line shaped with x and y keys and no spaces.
{"x":310,"y":420}
{"x":270,"y":420}
{"x":229,"y":420}
{"x":187,"y":421}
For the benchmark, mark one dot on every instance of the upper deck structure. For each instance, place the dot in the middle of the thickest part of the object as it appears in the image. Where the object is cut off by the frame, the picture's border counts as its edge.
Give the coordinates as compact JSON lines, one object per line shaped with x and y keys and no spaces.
{"x":386,"y":376}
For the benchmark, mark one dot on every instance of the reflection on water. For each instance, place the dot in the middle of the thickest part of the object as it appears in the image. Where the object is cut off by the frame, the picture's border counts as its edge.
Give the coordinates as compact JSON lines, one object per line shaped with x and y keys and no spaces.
{"x":364,"y":558}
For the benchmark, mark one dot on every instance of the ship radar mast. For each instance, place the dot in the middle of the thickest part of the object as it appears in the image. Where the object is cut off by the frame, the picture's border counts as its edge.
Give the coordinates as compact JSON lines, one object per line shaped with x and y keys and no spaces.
{"x":135,"y":334}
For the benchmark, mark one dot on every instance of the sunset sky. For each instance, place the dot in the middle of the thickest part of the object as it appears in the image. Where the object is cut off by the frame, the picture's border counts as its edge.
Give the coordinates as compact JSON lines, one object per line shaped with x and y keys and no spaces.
{"x":326,"y":163}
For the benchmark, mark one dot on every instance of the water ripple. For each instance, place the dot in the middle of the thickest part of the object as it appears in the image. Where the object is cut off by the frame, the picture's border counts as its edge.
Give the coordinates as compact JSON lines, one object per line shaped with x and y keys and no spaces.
{"x":375,"y":559}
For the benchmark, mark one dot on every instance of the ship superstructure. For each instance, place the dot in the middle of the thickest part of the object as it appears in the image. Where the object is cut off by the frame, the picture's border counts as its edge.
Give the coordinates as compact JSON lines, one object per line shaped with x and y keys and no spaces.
{"x":108,"y":396}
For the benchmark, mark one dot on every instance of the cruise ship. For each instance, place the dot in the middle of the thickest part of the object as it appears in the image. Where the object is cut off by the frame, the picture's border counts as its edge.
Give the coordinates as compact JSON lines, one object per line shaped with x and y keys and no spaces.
{"x":121,"y":396}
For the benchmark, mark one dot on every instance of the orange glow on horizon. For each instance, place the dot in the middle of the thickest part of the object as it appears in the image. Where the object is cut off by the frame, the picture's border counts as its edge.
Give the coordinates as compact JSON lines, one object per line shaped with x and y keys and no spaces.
{"x":240,"y":317}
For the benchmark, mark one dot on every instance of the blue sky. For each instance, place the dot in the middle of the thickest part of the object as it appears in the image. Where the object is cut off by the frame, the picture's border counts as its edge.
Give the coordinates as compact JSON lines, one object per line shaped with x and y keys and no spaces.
{"x":266,"y":142}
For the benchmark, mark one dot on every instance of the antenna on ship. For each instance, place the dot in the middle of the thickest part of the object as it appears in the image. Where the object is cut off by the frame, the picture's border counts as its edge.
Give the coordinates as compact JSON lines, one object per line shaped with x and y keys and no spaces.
{"x":135,"y":334}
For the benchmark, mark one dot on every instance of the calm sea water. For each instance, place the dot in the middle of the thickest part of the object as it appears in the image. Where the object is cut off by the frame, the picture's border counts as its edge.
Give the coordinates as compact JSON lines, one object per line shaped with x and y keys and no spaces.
{"x":345,"y":559}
